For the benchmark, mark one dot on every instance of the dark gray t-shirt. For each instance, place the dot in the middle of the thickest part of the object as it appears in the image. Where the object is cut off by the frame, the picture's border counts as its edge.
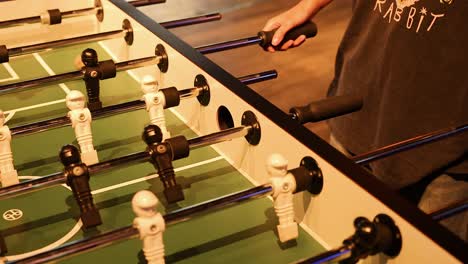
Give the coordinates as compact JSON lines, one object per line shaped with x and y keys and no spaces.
{"x":409,"y":61}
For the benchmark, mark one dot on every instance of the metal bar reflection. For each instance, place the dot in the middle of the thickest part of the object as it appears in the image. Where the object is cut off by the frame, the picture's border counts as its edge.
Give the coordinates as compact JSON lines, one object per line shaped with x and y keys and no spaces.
{"x":76,"y":75}
{"x":28,"y":49}
{"x":408,"y":144}
{"x":191,"y":20}
{"x":140,"y":3}
{"x":259,"y":77}
{"x":333,"y":255}
{"x":217,"y":137}
{"x":38,"y":19}
{"x":449,"y":211}
{"x":229,"y":45}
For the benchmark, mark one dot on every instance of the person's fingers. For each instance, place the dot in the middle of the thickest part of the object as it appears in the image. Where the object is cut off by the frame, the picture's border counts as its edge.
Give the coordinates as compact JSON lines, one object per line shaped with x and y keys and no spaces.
{"x":279,"y":35}
{"x":271,"y":49}
{"x":271,"y":25}
{"x":299,"y":40}
{"x":287,"y":44}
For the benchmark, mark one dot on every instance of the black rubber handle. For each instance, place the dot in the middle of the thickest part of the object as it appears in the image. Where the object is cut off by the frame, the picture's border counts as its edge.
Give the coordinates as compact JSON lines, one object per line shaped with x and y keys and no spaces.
{"x":309,"y":29}
{"x":107,"y":69}
{"x":327,"y":108}
{"x":172,"y":97}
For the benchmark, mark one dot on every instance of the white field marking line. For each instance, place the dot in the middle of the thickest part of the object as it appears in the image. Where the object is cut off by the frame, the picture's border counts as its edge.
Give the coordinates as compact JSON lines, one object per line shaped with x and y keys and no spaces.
{"x":12,"y":112}
{"x":49,"y":71}
{"x":152,"y":176}
{"x":10,"y":71}
{"x":57,"y":243}
{"x":35,"y":106}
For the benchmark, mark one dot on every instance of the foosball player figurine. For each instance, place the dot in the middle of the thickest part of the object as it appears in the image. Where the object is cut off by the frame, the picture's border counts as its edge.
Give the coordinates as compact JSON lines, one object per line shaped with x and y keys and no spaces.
{"x":150,"y":224}
{"x":8,"y":174}
{"x":155,"y":101}
{"x":284,"y":185}
{"x":80,"y":117}
{"x":77,"y":177}
{"x":91,"y":71}
{"x":162,"y":154}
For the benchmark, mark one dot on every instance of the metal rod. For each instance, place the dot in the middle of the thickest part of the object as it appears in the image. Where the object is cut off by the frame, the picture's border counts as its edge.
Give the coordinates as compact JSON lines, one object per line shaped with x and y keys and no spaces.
{"x":118,"y":109}
{"x":107,"y":111}
{"x":129,"y":232}
{"x":190,"y":92}
{"x":63,"y":121}
{"x":222,"y":202}
{"x":59,"y":178}
{"x":139,"y":3}
{"x":41,"y":126}
{"x":217,"y":137}
{"x":81,"y":246}
{"x":32,"y":185}
{"x":137,"y":157}
{"x":54,"y":79}
{"x":333,"y":255}
{"x":37,"y":19}
{"x":191,"y":20}
{"x":28,"y":49}
{"x":259,"y":77}
{"x":81,"y":12}
{"x":23,"y":50}
{"x":20,"y":21}
{"x":76,"y":75}
{"x":142,"y":62}
{"x":408,"y":144}
{"x":229,"y":45}
{"x":449,"y":211}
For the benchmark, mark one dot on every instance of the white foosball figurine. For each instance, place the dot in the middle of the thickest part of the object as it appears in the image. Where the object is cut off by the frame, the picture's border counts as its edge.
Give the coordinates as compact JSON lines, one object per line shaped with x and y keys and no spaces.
{"x":80,"y":117}
{"x":8,"y":174}
{"x":155,"y":102}
{"x":150,"y":224}
{"x":284,"y":184}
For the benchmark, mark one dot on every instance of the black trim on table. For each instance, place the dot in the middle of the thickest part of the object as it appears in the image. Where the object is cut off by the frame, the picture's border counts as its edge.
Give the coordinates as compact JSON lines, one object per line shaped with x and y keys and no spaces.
{"x":357,"y":174}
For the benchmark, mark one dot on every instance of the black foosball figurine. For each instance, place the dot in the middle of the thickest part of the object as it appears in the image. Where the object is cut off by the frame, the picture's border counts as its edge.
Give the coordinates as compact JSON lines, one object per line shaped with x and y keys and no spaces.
{"x":91,"y":77}
{"x":162,"y":154}
{"x":77,"y":177}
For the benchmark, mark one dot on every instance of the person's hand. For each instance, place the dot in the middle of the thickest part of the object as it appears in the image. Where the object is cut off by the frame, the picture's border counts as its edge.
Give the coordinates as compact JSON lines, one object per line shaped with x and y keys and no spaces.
{"x":295,"y":16}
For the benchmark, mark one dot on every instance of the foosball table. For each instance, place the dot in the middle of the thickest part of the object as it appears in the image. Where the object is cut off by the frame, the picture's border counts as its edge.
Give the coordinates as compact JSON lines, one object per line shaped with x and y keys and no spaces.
{"x":239,"y":180}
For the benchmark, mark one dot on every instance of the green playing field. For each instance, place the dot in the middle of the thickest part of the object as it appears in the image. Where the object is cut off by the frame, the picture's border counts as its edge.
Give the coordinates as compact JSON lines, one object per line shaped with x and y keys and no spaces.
{"x":244,"y":233}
